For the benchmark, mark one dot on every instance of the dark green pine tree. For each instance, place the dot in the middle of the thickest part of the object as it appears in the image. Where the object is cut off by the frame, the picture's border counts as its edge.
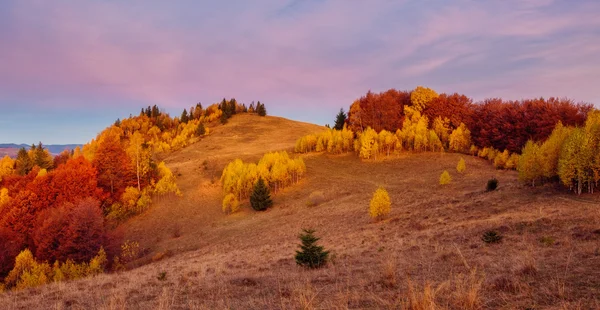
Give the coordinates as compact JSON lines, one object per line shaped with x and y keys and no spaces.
{"x":310,"y":255}
{"x":41,"y":158}
{"x":200,"y":131}
{"x":184,"y":116}
{"x":340,"y":120}
{"x":261,"y":196}
{"x":260,"y":109}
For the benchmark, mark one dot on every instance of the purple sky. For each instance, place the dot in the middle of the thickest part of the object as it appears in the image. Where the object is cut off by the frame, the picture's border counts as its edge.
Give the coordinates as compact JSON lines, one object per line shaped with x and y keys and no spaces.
{"x":68,"y":69}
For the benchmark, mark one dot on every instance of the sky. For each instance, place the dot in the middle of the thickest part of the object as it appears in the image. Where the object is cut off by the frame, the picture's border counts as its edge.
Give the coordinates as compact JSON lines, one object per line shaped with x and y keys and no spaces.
{"x":70,"y":68}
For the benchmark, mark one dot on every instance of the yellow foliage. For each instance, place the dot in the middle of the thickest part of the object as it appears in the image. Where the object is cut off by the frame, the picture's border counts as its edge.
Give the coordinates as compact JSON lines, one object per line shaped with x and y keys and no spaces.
{"x":98,"y":263}
{"x":380,"y":204}
{"x":368,"y":145}
{"x":461,"y":166}
{"x":277,"y":169}
{"x":4,"y":198}
{"x":24,"y":262}
{"x":460,"y":139}
{"x":130,"y":198}
{"x":130,"y":251}
{"x":421,"y":96}
{"x":445,"y":178}
{"x":501,"y":159}
{"x":7,"y":166}
{"x":230,"y":204}
{"x":330,"y":140}
{"x":166,"y":184}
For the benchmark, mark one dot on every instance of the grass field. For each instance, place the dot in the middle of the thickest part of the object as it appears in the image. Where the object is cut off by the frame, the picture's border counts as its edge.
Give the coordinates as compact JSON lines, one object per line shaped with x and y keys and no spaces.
{"x":427,"y":254}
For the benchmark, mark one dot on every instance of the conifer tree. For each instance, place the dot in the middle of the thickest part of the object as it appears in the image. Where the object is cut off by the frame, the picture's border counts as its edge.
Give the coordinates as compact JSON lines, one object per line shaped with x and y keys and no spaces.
{"x":201,"y":130}
{"x":260,"y":109}
{"x":23,"y":163}
{"x":310,"y":255}
{"x":184,"y":116}
{"x":340,"y":120}
{"x":261,"y":196}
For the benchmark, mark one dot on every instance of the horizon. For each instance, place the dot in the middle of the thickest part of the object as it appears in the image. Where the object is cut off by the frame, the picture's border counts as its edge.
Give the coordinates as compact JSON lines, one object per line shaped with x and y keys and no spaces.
{"x":70,"y":69}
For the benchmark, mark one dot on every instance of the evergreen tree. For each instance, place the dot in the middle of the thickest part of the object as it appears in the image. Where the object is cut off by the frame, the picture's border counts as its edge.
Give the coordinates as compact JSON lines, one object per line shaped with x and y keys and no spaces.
{"x":340,"y":120}
{"x":200,"y":131}
{"x":42,"y":157}
{"x":24,"y":164}
{"x":261,"y":197}
{"x":260,"y":109}
{"x":184,"y":116}
{"x":310,"y":255}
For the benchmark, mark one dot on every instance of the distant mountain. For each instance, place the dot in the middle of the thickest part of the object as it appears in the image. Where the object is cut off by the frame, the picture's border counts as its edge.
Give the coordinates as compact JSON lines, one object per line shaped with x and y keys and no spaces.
{"x":11,"y":149}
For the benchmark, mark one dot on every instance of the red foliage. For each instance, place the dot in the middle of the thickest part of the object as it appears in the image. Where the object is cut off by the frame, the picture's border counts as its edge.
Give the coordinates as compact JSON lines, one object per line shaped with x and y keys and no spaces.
{"x":456,"y":107}
{"x":20,"y":214}
{"x":509,"y":124}
{"x":115,"y":171}
{"x":75,"y":180}
{"x":62,"y":158}
{"x":379,"y":111}
{"x":11,"y":244}
{"x":71,"y":231}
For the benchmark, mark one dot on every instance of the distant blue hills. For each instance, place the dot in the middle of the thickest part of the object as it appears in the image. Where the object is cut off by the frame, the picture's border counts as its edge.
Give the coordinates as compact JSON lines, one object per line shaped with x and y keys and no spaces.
{"x":54,"y":149}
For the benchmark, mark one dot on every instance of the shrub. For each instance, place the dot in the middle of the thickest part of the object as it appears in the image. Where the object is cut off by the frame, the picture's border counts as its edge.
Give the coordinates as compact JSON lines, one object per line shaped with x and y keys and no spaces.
{"x":316,"y":198}
{"x":261,"y":197}
{"x":492,"y":184}
{"x":461,"y":166}
{"x":445,"y":178}
{"x":491,"y":236}
{"x":230,"y":204}
{"x":310,"y":255}
{"x":380,"y":203}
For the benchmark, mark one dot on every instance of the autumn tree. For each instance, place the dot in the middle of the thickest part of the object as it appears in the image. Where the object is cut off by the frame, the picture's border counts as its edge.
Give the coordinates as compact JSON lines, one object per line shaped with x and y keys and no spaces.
{"x":460,"y":139}
{"x":11,"y":244}
{"x":421,"y":96}
{"x":7,"y":167}
{"x":445,"y":178}
{"x":529,"y":166}
{"x":380,"y":204}
{"x":42,"y":158}
{"x":461,"y":166}
{"x":114,"y":167}
{"x":230,"y":204}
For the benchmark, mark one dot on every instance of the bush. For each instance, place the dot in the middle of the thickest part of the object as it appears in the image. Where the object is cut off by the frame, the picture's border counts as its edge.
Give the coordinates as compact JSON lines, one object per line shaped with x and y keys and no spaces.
{"x":316,"y":198}
{"x":261,"y":197}
{"x":491,"y":236}
{"x":310,"y":255}
{"x":492,"y":184}
{"x":380,"y":203}
{"x":445,"y":178}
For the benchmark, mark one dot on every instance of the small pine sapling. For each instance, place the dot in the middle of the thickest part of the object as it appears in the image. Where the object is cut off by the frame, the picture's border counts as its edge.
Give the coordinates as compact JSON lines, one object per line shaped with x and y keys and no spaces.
{"x":310,"y":255}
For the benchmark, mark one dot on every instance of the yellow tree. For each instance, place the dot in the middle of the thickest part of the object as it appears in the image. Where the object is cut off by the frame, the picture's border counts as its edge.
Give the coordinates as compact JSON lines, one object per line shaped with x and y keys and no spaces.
{"x":421,"y":134}
{"x":167,"y":183}
{"x":445,"y":178}
{"x":421,"y":96}
{"x":140,"y":156}
{"x":7,"y":166}
{"x":529,"y":167}
{"x":460,"y":139}
{"x":368,"y":144}
{"x":442,"y":129}
{"x":435,"y":144}
{"x":550,"y":150}
{"x":380,"y":204}
{"x":501,"y":159}
{"x":230,"y":204}
{"x":461,"y":166}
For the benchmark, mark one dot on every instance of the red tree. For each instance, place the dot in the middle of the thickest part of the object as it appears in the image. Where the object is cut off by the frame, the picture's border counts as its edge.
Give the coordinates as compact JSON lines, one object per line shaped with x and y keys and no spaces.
{"x":115,"y":172}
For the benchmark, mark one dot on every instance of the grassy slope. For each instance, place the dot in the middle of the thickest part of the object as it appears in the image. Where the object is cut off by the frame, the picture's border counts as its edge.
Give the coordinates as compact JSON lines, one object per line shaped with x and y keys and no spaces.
{"x":432,"y":235}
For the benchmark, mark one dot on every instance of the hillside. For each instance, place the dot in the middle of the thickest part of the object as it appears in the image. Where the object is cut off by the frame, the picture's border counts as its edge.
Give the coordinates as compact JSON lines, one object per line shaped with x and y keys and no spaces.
{"x":549,"y":256}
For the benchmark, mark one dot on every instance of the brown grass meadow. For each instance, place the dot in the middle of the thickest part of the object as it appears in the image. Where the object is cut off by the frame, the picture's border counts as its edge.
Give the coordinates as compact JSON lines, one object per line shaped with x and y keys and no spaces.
{"x":427,"y":254}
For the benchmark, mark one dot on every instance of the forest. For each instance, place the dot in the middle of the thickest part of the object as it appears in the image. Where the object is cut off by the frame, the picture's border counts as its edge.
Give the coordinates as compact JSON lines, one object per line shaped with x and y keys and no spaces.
{"x":546,"y":140}
{"x":58,"y":214}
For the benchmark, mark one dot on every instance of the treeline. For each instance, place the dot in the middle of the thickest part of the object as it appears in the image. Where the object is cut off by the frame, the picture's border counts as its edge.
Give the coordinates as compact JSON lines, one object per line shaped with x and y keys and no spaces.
{"x":496,"y":123}
{"x":277,"y":169}
{"x":570,"y":154}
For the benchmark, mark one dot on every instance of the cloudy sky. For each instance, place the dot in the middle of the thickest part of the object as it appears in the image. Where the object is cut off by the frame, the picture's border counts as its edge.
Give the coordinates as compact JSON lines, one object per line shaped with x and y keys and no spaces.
{"x":69,"y":68}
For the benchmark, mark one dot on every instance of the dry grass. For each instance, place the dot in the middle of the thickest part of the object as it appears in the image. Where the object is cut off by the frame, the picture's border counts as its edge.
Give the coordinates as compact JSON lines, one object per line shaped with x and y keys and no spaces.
{"x":427,"y":254}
